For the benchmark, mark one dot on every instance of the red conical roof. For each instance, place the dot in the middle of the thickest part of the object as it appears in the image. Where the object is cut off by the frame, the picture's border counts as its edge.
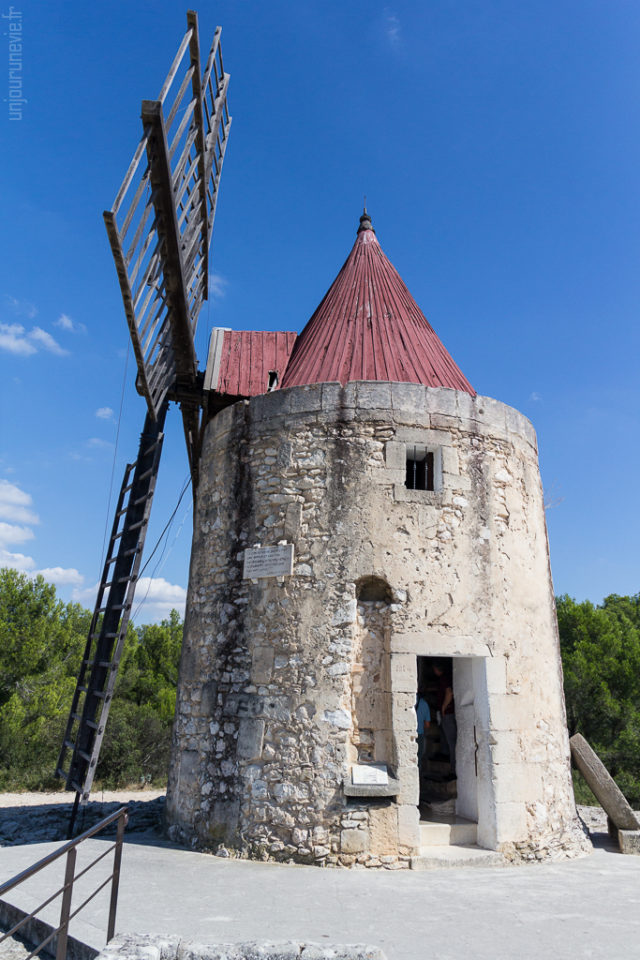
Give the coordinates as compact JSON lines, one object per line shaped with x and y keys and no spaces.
{"x":369,"y":327}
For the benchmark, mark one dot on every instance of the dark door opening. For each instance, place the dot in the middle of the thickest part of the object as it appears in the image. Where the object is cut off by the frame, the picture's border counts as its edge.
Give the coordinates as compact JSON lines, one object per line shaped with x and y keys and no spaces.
{"x":436,"y":740}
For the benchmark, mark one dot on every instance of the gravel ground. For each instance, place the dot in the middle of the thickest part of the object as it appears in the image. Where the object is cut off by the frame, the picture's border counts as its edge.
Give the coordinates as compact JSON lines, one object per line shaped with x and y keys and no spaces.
{"x":102,"y":796}
{"x":43,"y":817}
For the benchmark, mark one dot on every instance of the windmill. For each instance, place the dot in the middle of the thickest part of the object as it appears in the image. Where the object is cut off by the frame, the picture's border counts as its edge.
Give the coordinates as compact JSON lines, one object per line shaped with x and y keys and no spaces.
{"x":159,"y":229}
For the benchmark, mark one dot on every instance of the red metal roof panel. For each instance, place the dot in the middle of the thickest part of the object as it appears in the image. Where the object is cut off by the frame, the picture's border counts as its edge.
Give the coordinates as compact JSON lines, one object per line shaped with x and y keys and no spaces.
{"x":247,"y":359}
{"x":369,"y":327}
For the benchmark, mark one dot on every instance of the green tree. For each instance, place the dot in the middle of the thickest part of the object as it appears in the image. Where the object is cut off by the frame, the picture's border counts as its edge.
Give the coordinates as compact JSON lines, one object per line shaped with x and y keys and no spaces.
{"x":601,"y":660}
{"x":42,"y":642}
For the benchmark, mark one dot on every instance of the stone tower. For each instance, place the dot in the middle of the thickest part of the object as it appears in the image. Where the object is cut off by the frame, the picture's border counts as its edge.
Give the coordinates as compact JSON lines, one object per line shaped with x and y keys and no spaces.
{"x":360,"y":511}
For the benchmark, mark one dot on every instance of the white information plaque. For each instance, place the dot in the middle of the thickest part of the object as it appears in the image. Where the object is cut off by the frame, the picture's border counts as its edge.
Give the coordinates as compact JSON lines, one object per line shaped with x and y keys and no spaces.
{"x":375,"y":773}
{"x":268,"y":562}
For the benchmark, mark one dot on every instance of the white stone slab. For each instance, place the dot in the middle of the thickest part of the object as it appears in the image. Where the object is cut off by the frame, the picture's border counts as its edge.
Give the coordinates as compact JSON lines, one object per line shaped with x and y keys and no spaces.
{"x":268,"y":562}
{"x":375,"y":773}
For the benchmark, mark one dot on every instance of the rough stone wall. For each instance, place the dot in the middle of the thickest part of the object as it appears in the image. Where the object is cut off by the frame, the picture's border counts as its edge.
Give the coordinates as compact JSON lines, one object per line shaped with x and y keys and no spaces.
{"x":277,"y":693}
{"x":371,"y":730}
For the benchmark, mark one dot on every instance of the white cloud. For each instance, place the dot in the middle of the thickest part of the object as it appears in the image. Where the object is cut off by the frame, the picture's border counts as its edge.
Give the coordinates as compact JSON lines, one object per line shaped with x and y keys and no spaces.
{"x":47,"y":341}
{"x":13,"y":339}
{"x":392,"y":29}
{"x":12,"y":533}
{"x":15,"y":504}
{"x":85,"y":595}
{"x":17,"y":561}
{"x":98,"y":444}
{"x":154,"y":599}
{"x":61,"y":576}
{"x":535,"y":397}
{"x":104,"y":413}
{"x":217,"y":286}
{"x":21,"y":308}
{"x":65,"y":322}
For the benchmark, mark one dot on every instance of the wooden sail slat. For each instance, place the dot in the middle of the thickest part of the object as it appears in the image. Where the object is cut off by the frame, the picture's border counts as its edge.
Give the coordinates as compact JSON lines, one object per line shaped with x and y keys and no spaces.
{"x":180,"y":94}
{"x":175,"y":66}
{"x":181,"y":128}
{"x":130,"y":174}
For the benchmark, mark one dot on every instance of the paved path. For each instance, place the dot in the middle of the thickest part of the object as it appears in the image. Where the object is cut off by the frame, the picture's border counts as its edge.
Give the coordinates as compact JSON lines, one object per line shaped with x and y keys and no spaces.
{"x":587,"y":908}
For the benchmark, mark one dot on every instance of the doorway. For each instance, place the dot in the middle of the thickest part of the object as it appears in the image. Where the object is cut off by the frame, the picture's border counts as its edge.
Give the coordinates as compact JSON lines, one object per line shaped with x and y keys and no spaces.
{"x":448,"y":770}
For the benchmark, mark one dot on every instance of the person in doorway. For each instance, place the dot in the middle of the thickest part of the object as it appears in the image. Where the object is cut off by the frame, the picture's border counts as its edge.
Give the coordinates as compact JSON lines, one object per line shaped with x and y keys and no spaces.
{"x":423,"y":714}
{"x":446,"y":709}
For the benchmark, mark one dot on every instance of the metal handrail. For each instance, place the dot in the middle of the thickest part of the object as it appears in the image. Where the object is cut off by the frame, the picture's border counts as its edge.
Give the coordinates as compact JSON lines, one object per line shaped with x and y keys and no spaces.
{"x":70,"y":849}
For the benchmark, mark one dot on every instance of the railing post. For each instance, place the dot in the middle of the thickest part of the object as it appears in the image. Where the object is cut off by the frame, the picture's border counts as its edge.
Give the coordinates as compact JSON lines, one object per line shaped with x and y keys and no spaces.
{"x":117,"y":857}
{"x":65,"y":909}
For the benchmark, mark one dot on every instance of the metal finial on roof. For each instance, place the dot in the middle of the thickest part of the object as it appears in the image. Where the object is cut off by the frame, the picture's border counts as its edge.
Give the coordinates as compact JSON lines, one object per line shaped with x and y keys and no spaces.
{"x":365,"y":219}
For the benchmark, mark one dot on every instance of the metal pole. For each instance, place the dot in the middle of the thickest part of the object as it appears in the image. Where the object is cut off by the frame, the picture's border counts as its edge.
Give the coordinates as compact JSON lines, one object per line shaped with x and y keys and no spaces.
{"x":74,"y":813}
{"x":117,"y":858}
{"x":65,"y":909}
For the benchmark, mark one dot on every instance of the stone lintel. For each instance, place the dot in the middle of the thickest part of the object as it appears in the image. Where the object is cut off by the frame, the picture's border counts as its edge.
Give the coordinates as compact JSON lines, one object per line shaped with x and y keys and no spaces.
{"x":390,"y":789}
{"x":435,"y":642}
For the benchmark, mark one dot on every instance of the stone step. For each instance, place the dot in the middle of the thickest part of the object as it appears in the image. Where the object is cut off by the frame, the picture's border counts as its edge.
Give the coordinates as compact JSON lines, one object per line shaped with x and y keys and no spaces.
{"x":439,"y":790}
{"x":437,"y":858}
{"x":452,"y":830}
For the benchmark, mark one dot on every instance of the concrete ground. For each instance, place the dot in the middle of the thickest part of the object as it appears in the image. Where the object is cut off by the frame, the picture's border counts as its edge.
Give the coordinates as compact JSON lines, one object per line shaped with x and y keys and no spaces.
{"x":588,"y":908}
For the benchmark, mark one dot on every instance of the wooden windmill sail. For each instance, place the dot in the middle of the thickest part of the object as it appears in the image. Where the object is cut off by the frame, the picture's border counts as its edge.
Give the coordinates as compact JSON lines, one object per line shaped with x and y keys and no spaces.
{"x":159,"y":229}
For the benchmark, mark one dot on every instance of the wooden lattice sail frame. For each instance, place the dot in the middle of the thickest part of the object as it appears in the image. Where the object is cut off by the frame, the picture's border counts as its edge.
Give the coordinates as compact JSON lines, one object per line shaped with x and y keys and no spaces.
{"x":160,"y":229}
{"x":161,"y":223}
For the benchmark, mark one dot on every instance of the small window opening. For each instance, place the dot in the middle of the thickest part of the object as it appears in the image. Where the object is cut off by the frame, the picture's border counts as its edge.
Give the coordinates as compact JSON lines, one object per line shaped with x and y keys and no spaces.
{"x":420,"y":469}
{"x":373,"y":589}
{"x":273,"y":380}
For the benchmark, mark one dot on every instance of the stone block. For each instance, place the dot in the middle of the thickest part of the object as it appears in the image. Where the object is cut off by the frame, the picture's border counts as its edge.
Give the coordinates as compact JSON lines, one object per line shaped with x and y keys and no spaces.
{"x":250,"y":738}
{"x":383,"y":828}
{"x":602,"y":784}
{"x":403,"y":711}
{"x":515,"y":421}
{"x":442,"y":400}
{"x":506,"y":747}
{"x":496,"y":674}
{"x":395,"y":455}
{"x":374,"y":395}
{"x":331,"y":396}
{"x":409,"y":785}
{"x":511,"y":822}
{"x":304,"y":399}
{"x":292,"y":518}
{"x":402,"y":494}
{"x":408,"y":397}
{"x":441,"y":421}
{"x":517,"y":783}
{"x":629,"y":842}
{"x":404,"y":677}
{"x":408,"y":825}
{"x":262,"y":666}
{"x":510,"y":712}
{"x":424,"y":435}
{"x":455,"y":481}
{"x":266,"y":406}
{"x":450,"y":462}
{"x":354,"y":841}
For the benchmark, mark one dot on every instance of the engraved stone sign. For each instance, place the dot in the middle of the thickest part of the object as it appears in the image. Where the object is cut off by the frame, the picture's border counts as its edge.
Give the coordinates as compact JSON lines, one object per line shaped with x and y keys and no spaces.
{"x":375,"y":773}
{"x":268,"y":562}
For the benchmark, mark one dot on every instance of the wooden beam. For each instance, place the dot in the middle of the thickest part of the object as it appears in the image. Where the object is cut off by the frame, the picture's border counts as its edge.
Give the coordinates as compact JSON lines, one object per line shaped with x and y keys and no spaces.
{"x":168,"y":231}
{"x":192,"y":21}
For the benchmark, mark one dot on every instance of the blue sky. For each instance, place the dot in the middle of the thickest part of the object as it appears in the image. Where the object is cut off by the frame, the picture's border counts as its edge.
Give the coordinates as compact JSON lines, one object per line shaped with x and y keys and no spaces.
{"x":498,"y":144}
